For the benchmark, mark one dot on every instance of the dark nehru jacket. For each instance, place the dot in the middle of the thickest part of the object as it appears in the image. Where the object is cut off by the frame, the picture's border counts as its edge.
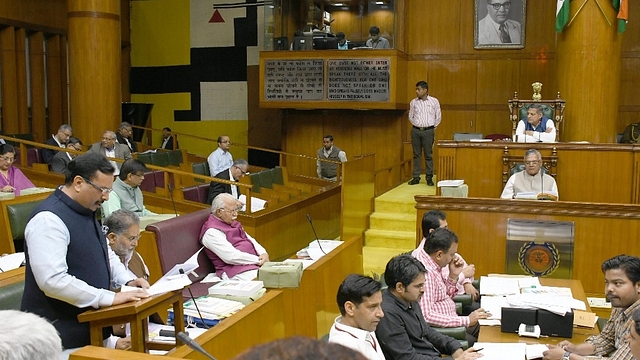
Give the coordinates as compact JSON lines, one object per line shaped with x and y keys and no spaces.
{"x":87,"y":260}
{"x":329,"y":170}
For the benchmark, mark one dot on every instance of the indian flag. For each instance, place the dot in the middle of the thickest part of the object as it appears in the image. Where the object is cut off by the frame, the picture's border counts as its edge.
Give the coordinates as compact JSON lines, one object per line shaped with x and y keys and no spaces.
{"x":622,"y":6}
{"x":562,"y":14}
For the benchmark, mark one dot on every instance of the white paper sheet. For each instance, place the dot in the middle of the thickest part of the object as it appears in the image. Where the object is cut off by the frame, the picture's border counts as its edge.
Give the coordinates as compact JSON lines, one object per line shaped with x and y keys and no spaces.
{"x":11,"y":261}
{"x":501,"y":351}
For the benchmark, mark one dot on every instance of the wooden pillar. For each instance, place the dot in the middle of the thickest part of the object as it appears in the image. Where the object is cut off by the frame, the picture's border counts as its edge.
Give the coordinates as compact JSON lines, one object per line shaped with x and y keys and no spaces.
{"x":21,"y":81}
{"x":588,"y":65}
{"x":36,"y":70}
{"x":9,"y":81}
{"x":94,"y":67}
{"x":56,"y":83}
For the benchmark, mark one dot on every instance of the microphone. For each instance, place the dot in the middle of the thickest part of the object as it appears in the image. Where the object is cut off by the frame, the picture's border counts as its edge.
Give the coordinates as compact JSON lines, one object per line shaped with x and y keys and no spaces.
{"x":173,"y":202}
{"x":192,"y":344}
{"x":316,"y":234}
{"x":195,"y":303}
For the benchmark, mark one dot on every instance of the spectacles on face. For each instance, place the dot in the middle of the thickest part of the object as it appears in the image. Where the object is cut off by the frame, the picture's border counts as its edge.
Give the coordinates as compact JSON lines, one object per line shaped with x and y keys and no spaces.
{"x":241,"y":171}
{"x":534,"y":162}
{"x":8,"y":159}
{"x":108,"y":139}
{"x":496,"y":7}
{"x":131,"y":238}
{"x":234,"y":211}
{"x":103,"y":190}
{"x":67,"y":134}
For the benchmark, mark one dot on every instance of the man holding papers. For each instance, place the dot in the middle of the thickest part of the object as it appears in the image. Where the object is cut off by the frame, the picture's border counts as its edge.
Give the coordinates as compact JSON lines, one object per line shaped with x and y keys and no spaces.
{"x":359,"y":300}
{"x":403,"y":332}
{"x":69,"y":267}
{"x":622,"y":286}
{"x":437,"y":304}
{"x":531,"y":180}
{"x":233,"y":252}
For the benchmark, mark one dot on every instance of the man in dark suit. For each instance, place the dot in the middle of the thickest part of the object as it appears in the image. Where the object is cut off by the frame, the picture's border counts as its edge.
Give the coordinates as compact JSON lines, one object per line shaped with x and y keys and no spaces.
{"x":236,"y":172}
{"x":59,"y":139}
{"x":125,"y":136}
{"x":168,"y":140}
{"x":62,"y":158}
{"x":109,"y":147}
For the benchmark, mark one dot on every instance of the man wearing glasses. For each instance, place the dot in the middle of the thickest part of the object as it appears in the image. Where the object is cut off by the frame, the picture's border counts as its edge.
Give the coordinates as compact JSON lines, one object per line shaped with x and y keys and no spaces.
{"x":60,"y":160}
{"x":126,"y":190}
{"x":535,"y":127}
{"x":234,"y":253}
{"x":496,"y":27}
{"x":125,"y":136}
{"x":69,"y":267}
{"x":109,"y":147}
{"x":531,"y":179}
{"x":220,"y":159}
{"x":236,"y":172}
{"x":59,"y":139}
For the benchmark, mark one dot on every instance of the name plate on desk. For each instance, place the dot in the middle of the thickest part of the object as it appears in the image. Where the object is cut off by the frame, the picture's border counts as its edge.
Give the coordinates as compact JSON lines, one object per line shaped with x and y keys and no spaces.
{"x":358,"y":79}
{"x":294,"y":80}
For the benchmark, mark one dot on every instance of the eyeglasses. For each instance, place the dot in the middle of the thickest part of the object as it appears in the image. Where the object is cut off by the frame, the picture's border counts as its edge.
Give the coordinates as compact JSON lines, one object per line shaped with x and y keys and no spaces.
{"x":108,"y":139}
{"x":131,"y":238}
{"x":7,"y":159}
{"x":506,"y":6}
{"x":241,"y":171}
{"x":535,"y":162}
{"x":234,"y":211}
{"x":103,"y":190}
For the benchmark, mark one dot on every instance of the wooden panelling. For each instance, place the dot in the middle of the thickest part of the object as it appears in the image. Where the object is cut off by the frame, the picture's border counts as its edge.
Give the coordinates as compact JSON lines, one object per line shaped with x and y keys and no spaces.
{"x":492,"y":122}
{"x":21,"y":81}
{"x":262,"y":121}
{"x":462,"y":73}
{"x":577,"y":164}
{"x":601,"y":231}
{"x":350,"y":23}
{"x":486,"y":90}
{"x":37,"y":82}
{"x":428,"y":33}
{"x":50,"y":15}
{"x":56,"y":61}
{"x":357,"y":196}
{"x":9,"y":81}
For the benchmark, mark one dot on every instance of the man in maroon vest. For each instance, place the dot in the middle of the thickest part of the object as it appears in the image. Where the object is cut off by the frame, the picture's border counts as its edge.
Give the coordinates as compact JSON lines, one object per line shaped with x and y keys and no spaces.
{"x":233,"y":252}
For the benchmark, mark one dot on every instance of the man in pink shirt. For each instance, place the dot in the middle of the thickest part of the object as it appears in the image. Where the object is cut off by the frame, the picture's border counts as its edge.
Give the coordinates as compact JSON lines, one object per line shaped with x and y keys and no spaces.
{"x":437,"y":304}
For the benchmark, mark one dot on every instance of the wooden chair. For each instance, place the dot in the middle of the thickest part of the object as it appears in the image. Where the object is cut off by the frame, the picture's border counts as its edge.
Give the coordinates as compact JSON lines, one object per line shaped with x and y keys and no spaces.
{"x":512,"y":164}
{"x":553,"y":109}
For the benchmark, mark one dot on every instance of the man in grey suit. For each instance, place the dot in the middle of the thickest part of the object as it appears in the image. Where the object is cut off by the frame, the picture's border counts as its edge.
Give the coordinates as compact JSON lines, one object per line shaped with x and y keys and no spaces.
{"x":496,"y":27}
{"x":110,"y":148}
{"x":61,"y":159}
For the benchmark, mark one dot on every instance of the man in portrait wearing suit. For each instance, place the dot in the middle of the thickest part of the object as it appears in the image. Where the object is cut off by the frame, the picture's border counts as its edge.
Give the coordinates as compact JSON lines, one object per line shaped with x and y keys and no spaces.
{"x":109,"y":147}
{"x":234,"y":173}
{"x":62,"y":158}
{"x":496,"y":27}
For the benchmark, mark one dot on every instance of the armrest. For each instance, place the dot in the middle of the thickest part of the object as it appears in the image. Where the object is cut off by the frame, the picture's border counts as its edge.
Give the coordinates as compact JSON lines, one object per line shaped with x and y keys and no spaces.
{"x":459,"y":333}
{"x":464,"y":299}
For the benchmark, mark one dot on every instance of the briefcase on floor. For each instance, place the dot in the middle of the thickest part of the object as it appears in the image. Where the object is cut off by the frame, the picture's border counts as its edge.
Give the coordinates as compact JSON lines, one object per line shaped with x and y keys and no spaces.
{"x":280,"y":274}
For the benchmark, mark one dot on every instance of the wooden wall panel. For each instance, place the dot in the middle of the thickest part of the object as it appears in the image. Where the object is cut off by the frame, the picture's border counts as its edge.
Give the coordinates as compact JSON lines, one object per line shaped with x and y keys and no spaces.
{"x":453,"y":81}
{"x":428,"y":33}
{"x":384,"y":20}
{"x":37,"y":82}
{"x":21,"y":81}
{"x":9,"y":80}
{"x":350,"y":23}
{"x":542,"y":69}
{"x":487,"y":92}
{"x":493,"y":122}
{"x":50,"y":15}
{"x":303,"y":132}
{"x":55,"y":79}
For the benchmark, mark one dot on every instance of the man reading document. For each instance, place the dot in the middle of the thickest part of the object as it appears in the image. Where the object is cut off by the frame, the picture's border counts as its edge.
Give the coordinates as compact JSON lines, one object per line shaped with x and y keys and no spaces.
{"x":532,"y":183}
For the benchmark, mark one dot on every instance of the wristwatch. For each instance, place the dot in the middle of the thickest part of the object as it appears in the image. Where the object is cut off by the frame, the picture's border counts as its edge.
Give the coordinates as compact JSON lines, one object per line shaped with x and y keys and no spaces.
{"x":566,"y":355}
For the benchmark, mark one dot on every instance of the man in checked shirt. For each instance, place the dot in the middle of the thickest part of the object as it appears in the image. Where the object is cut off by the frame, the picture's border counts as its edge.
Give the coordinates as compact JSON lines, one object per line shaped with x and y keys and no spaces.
{"x":622,"y":286}
{"x":425,"y":116}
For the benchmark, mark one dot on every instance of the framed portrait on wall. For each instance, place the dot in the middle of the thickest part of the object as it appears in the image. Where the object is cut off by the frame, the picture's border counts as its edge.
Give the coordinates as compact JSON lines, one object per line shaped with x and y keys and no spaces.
{"x":499,"y":24}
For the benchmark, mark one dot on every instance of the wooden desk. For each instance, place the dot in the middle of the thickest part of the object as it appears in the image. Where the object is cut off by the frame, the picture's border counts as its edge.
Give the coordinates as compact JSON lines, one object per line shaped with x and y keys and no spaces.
{"x":493,"y":333}
{"x":136,"y":314}
{"x":95,"y":353}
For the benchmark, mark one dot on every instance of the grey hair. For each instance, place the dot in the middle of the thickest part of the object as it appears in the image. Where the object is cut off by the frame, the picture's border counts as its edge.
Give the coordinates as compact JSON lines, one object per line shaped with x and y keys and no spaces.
{"x":240,"y":162}
{"x":120,"y":221}
{"x":26,"y":336}
{"x":112,"y":135}
{"x":538,"y":108}
{"x":218,"y":201}
{"x":532,"y":151}
{"x":64,"y":127}
{"x":123,"y":125}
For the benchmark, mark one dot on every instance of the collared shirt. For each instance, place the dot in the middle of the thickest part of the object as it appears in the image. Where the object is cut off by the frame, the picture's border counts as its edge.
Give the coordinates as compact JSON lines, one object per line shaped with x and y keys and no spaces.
{"x":234,"y":188}
{"x":523,"y":182}
{"x":611,"y":341}
{"x":425,"y":113}
{"x":462,"y":280}
{"x":404,"y":334}
{"x":219,"y":160}
{"x":48,"y":239}
{"x":57,"y":141}
{"x":124,"y":196}
{"x":437,"y":304}
{"x":360,"y":340}
{"x":537,"y":136}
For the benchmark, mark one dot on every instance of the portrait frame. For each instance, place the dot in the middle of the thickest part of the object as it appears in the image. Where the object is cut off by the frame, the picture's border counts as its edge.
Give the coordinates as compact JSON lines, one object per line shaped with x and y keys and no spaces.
{"x":486,"y":35}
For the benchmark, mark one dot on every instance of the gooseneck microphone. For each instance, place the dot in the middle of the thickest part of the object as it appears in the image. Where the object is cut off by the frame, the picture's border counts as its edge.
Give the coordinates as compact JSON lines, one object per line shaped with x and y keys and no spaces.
{"x":173,"y":202}
{"x":315,"y":234}
{"x":195,"y":303}
{"x":192,"y":344}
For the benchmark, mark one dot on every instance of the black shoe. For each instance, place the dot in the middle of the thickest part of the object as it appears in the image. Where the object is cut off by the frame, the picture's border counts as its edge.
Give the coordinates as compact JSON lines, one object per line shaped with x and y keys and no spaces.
{"x":414,"y":181}
{"x":430,"y":182}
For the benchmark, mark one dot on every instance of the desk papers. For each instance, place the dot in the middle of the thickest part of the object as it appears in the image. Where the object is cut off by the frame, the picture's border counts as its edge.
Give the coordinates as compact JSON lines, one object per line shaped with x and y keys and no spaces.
{"x":256,"y":203}
{"x":11,"y":261}
{"x":510,"y":351}
{"x":450,"y":183}
{"x":498,"y":285}
{"x":237,"y":288}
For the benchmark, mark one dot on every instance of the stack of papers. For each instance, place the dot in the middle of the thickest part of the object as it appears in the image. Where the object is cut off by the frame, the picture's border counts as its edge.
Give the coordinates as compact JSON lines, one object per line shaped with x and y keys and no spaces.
{"x":237,"y":288}
{"x":510,"y":351}
{"x":450,"y":183}
{"x":316,"y":251}
{"x":212,"y":307}
{"x":11,"y":261}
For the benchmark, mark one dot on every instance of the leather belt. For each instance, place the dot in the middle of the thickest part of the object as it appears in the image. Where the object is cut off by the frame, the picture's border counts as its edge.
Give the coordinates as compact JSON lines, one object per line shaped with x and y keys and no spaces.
{"x":424,"y":128}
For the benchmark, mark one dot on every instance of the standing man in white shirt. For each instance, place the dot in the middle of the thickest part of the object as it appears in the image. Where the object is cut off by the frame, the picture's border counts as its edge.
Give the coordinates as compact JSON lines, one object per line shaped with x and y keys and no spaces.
{"x":360,"y":303}
{"x":221,"y":158}
{"x":425,"y":116}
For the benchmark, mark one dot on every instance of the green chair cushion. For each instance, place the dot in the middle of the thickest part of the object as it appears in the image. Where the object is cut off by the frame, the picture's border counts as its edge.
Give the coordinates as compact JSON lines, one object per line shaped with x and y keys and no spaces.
{"x":175,"y":157}
{"x":160,"y":159}
{"x":145,"y":158}
{"x":276,"y":175}
{"x":11,"y":296}
{"x":546,"y":111}
{"x":255,"y":181}
{"x":18,"y":214}
{"x":458,"y":332}
{"x":266,"y":181}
